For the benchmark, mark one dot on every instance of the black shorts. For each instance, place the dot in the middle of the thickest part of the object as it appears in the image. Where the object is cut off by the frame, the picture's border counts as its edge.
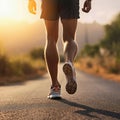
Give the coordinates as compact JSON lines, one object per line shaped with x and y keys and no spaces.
{"x":65,"y":9}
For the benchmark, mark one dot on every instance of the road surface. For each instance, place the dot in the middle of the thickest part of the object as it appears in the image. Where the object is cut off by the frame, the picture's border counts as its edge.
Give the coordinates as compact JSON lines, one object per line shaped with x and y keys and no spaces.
{"x":95,"y":99}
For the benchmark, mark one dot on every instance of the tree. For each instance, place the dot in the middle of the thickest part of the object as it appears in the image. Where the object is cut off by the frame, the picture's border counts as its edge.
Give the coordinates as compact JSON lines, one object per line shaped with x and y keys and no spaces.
{"x":112,"y":38}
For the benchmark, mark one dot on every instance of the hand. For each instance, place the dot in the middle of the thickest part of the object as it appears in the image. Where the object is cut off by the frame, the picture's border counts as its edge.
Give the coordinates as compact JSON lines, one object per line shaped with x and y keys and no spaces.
{"x":32,"y":6}
{"x":87,"y":6}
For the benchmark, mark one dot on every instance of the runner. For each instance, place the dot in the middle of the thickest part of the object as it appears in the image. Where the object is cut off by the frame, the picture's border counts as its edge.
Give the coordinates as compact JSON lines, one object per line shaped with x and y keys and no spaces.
{"x":67,"y":11}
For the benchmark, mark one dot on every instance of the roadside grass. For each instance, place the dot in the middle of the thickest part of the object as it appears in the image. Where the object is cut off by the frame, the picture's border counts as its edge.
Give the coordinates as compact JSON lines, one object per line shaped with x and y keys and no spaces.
{"x":105,"y":67}
{"x":20,"y":68}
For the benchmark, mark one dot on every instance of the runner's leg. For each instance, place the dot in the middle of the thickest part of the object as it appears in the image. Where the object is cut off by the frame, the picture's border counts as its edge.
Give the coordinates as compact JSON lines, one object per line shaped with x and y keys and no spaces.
{"x":69,"y":29}
{"x":70,"y":46}
{"x":51,"y":53}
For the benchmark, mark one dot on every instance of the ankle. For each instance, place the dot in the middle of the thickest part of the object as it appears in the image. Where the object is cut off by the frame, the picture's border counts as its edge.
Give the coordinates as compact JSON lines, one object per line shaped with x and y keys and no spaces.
{"x":56,"y":85}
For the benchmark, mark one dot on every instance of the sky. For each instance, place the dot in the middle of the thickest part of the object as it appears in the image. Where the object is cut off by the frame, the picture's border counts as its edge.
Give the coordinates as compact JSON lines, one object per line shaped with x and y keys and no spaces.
{"x":103,"y":11}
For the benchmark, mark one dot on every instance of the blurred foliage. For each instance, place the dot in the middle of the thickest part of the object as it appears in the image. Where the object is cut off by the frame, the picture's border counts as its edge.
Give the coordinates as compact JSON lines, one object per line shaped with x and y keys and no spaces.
{"x":4,"y":63}
{"x":15,"y":67}
{"x":20,"y":65}
{"x":112,"y":38}
{"x":110,"y":44}
{"x":37,"y":53}
{"x":90,"y":50}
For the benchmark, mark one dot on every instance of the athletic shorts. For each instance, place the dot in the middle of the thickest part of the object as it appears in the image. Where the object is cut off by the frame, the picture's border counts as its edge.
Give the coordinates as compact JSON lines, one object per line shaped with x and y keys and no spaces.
{"x":64,"y":9}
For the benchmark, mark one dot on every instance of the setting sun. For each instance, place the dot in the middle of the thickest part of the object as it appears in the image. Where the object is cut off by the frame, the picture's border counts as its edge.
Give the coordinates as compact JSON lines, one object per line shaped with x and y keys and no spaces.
{"x":6,"y":8}
{"x":17,"y":10}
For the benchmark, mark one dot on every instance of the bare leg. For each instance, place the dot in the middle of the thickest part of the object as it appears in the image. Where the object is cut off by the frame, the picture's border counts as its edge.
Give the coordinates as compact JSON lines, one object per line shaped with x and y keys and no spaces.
{"x":70,"y":46}
{"x":70,"y":50}
{"x":51,"y":53}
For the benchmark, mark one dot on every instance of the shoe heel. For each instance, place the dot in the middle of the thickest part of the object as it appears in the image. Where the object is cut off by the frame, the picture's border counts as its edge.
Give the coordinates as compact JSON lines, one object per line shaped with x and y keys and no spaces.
{"x":71,"y":87}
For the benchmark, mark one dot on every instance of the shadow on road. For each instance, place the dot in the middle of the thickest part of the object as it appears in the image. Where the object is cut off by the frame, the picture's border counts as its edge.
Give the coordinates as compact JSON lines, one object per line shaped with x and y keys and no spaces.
{"x":87,"y":110}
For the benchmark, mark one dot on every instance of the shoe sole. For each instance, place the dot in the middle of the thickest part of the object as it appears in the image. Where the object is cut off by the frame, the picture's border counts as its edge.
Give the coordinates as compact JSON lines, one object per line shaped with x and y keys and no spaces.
{"x":71,"y":85}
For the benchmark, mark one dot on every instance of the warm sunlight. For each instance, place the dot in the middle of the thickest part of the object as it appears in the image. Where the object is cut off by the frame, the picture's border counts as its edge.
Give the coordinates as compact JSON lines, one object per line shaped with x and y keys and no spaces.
{"x":17,"y":10}
{"x":7,"y":8}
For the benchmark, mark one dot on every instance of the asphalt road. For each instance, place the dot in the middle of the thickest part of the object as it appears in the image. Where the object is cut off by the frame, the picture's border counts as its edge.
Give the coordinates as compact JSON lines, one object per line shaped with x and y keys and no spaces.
{"x":95,"y":99}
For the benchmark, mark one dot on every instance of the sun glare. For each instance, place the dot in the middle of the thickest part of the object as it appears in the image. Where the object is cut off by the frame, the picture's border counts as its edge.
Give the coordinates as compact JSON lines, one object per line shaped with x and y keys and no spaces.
{"x":17,"y":10}
{"x":6,"y":8}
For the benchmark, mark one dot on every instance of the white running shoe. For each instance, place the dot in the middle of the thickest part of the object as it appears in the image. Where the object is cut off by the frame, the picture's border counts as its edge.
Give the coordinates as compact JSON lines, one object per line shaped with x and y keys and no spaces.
{"x":55,"y":93}
{"x":70,"y":74}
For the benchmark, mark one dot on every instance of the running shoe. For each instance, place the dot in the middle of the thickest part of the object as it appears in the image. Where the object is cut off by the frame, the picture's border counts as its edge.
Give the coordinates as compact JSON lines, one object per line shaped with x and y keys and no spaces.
{"x":55,"y":93}
{"x":70,"y":74}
